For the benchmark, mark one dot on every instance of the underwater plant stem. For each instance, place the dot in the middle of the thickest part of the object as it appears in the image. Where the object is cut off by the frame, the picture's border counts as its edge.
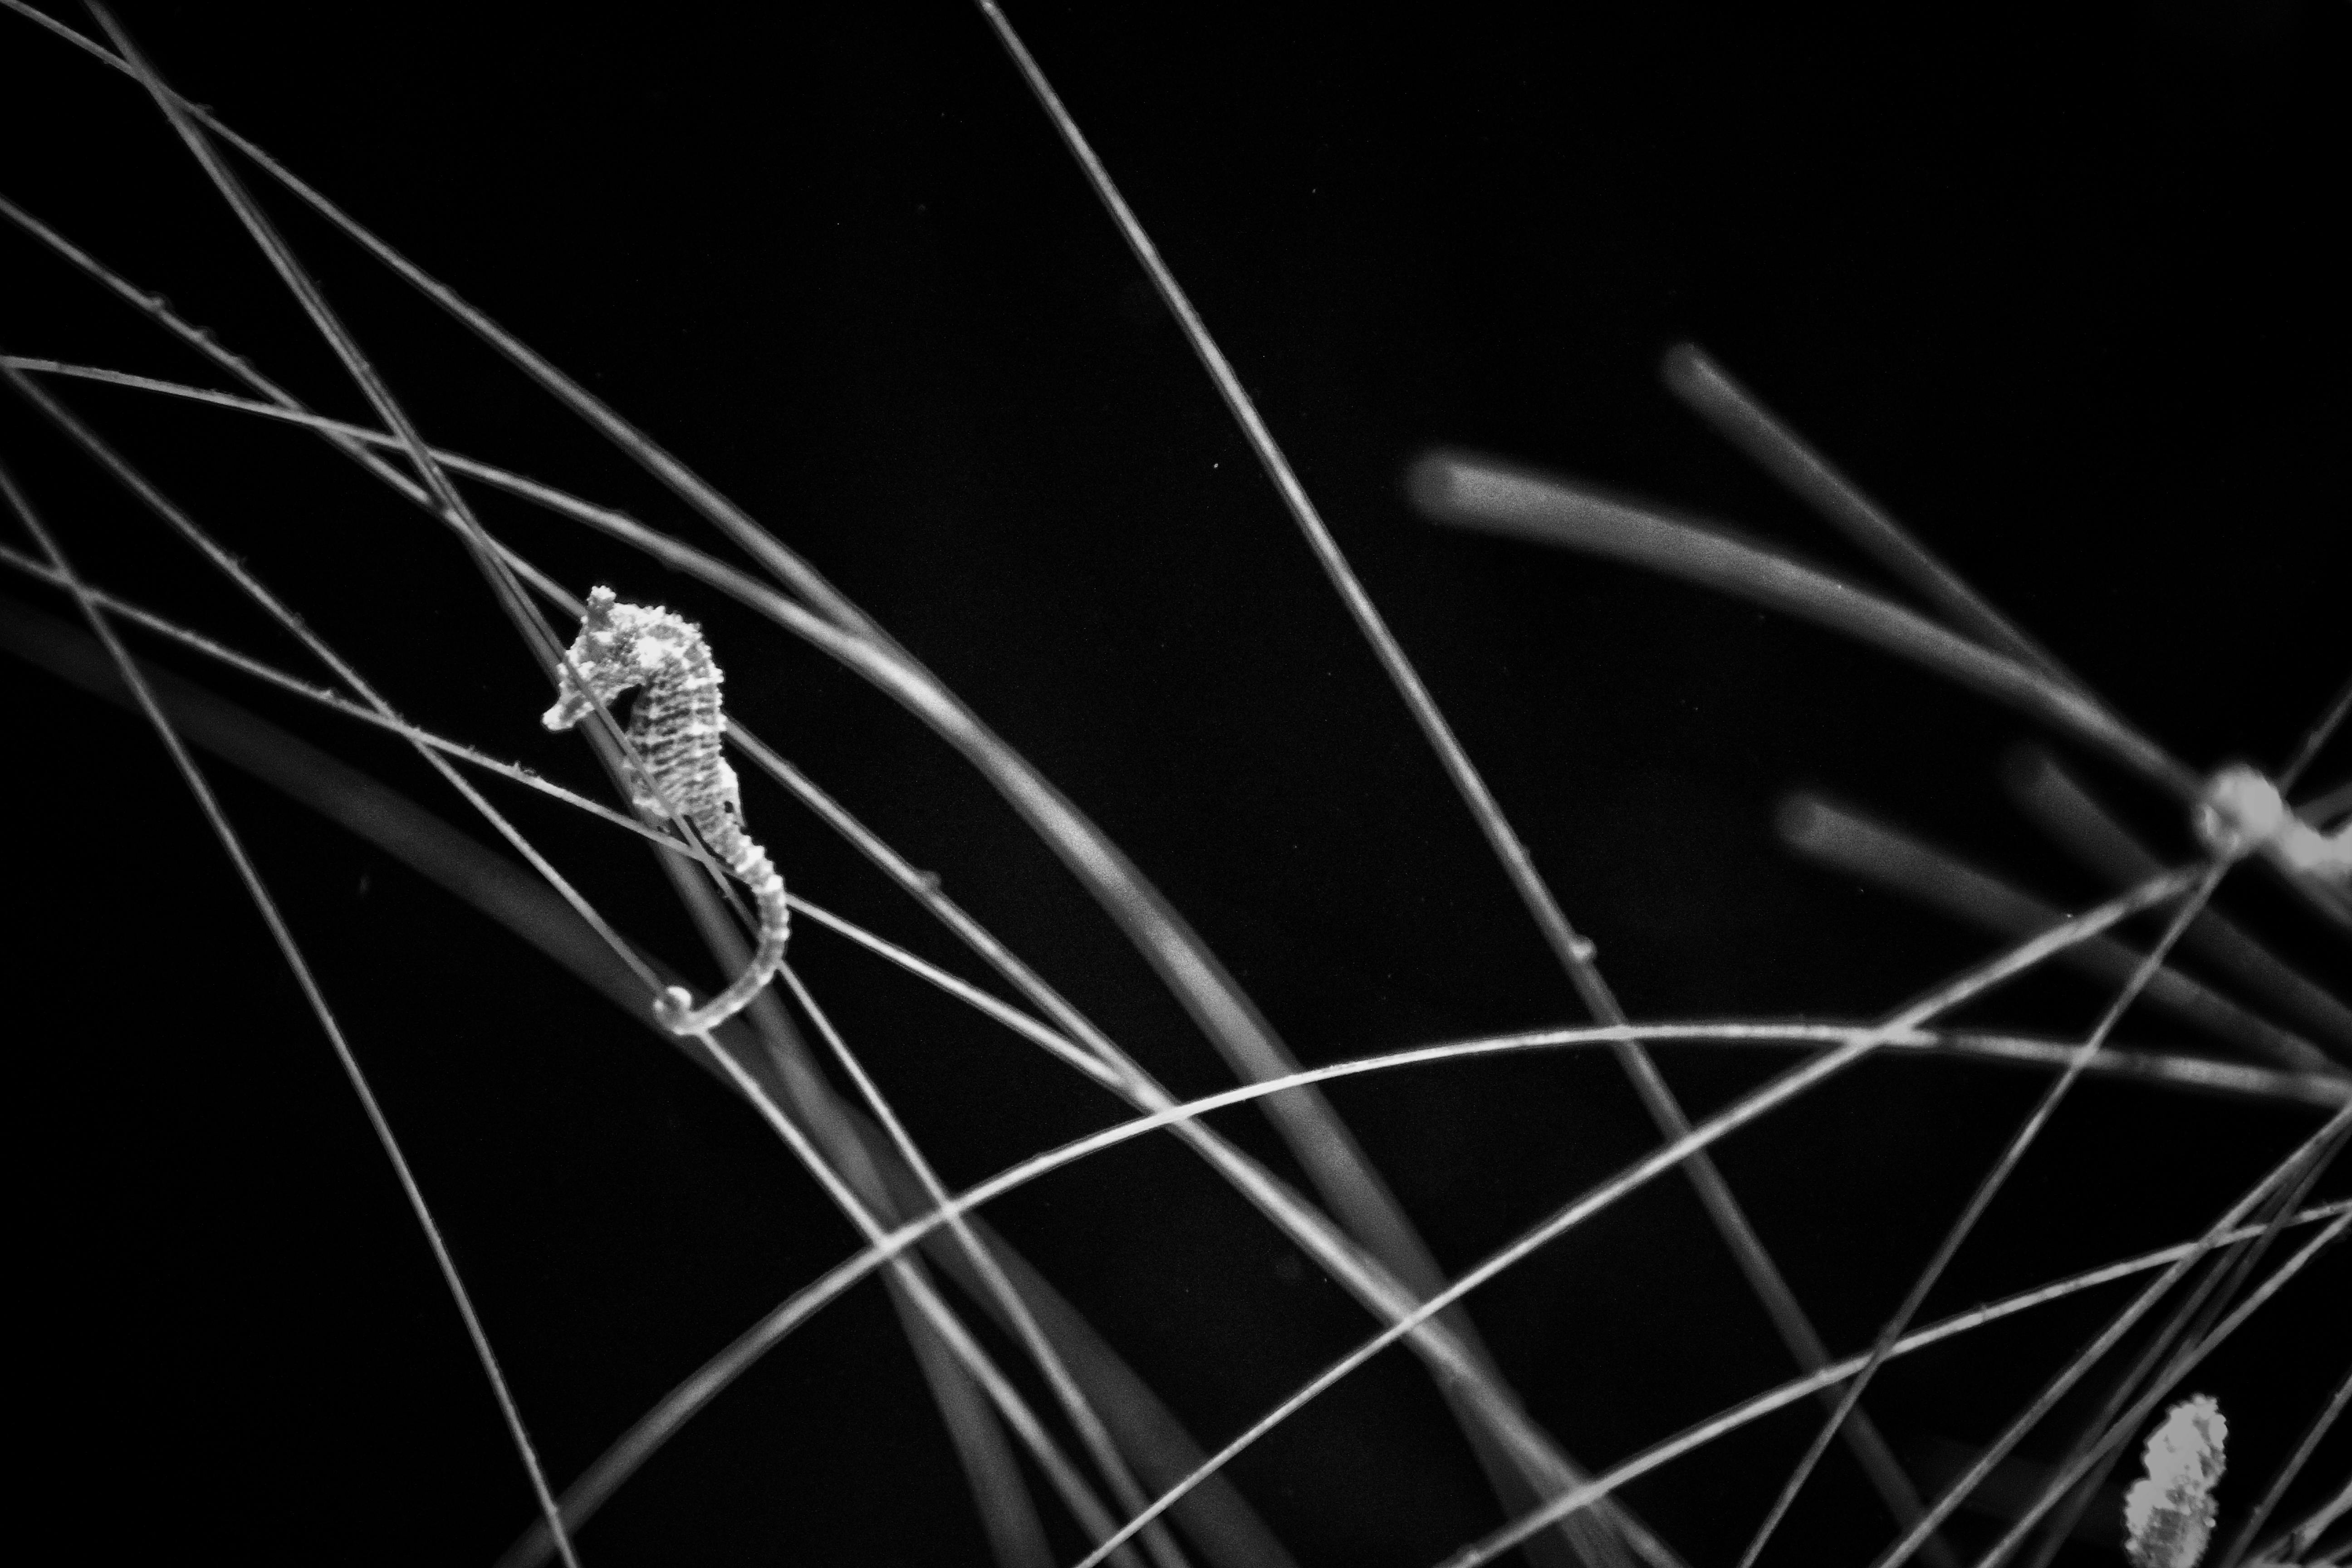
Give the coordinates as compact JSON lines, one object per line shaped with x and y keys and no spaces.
{"x":346,"y":347}
{"x":1230,"y":1020}
{"x":2260,"y":1513}
{"x":1704,"y":1432}
{"x":1341,"y":1174}
{"x":2095,"y":836}
{"x":1066,"y":1392}
{"x":1839,"y":837}
{"x":1207,"y":992}
{"x":1468,"y":492}
{"x":2322,"y":809}
{"x":2307,"y":750}
{"x":127,"y":671}
{"x":660,"y":1423}
{"x":547,"y":651}
{"x":2117,"y":1326}
{"x":1737,"y":415}
{"x":1016,"y":1536}
{"x":688,"y":486}
{"x":524,"y":904}
{"x":1982,"y":1199}
{"x":379,"y":815}
{"x":1573,"y":953}
{"x":1779,"y":1092}
{"x":2187,"y":1362}
{"x":856,"y":1156}
{"x":153,"y":305}
{"x":2300,"y":1540}
{"x":180,"y":523}
{"x":2198,"y":1307}
{"x":840,"y":1174}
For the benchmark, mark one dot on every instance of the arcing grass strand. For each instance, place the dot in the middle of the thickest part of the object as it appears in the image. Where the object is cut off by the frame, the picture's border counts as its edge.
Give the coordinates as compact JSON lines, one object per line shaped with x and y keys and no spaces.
{"x":676,"y":728}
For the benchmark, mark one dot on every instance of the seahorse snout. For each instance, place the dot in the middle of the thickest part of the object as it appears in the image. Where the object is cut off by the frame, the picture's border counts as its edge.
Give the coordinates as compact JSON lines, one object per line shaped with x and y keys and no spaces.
{"x":569,"y":709}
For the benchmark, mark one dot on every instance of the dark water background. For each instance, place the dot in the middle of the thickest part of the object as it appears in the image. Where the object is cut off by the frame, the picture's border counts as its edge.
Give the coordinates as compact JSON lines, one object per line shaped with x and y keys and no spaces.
{"x":2064,"y":293}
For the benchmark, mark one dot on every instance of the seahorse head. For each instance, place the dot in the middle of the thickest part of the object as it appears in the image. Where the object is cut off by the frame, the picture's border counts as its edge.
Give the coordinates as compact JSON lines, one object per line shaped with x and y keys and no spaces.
{"x":612,"y":653}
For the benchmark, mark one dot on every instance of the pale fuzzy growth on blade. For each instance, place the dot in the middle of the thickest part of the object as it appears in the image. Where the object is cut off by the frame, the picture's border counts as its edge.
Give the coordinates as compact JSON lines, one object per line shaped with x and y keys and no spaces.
{"x":2169,"y":1513}
{"x":2242,"y":812}
{"x":676,"y":728}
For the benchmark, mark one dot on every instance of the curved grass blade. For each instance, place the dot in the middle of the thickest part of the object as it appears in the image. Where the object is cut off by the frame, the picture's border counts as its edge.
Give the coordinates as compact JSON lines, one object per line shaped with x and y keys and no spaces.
{"x":2121,"y":1324}
{"x":2259,"y":1515}
{"x":1777,"y":1092}
{"x":155,"y":501}
{"x":458,"y":864}
{"x":1957,"y":1234}
{"x":283,"y":936}
{"x":1199,"y":981}
{"x":2141,"y":1408}
{"x":481,"y":877}
{"x":1467,"y":1377}
{"x":1015,"y":1535}
{"x":662,"y":1421}
{"x":1737,"y":415}
{"x":1694,"y":1437}
{"x":801,"y":577}
{"x":1402,"y":1249}
{"x":1838,"y":836}
{"x":2059,"y":802}
{"x":535,"y":632}
{"x":2228,"y":1272}
{"x":1469,"y":493}
{"x":996,"y":1285}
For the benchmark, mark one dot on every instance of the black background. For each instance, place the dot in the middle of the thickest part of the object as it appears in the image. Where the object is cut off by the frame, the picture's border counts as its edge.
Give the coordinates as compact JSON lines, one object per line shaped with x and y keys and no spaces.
{"x":2062,"y":290}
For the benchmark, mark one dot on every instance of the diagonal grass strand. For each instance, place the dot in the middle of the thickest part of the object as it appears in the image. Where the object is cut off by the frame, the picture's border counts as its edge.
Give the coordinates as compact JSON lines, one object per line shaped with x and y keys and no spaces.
{"x":2133,"y":1419}
{"x":1197,"y":979}
{"x":1075,"y":1494}
{"x":2259,"y":1515}
{"x":1777,"y":1092}
{"x":1649,"y":1459}
{"x":1066,"y":1392}
{"x":2318,"y":1092}
{"x":220,"y":653}
{"x":1844,"y":839}
{"x":615,"y":748}
{"x":186,"y":527}
{"x":703,"y":498}
{"x":283,"y":937}
{"x":2064,"y":808}
{"x":1741,"y":419}
{"x":1471,"y":492}
{"x":2117,"y":1326}
{"x":2225,"y":1274}
{"x":1957,"y":1233}
{"x":1403,"y":1249}
{"x":2193,"y":1317}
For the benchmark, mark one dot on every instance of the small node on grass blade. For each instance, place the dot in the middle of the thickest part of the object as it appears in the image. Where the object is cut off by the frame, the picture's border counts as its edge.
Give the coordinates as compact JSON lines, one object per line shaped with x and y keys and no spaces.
{"x":2242,"y":812}
{"x":672,"y":1006}
{"x":2168,"y":1512}
{"x":676,"y":728}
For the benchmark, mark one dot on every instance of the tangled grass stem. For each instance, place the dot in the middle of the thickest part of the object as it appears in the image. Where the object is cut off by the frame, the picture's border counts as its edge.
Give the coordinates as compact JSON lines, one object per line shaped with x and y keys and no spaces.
{"x":2074,"y":353}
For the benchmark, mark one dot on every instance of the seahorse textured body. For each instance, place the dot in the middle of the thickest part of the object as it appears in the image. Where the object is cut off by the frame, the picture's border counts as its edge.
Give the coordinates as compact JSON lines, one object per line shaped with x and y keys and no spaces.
{"x":677,"y":728}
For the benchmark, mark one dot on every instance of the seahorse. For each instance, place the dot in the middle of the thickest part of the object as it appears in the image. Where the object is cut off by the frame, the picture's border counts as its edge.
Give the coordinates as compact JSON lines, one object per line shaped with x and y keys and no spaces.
{"x":675,"y":726}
